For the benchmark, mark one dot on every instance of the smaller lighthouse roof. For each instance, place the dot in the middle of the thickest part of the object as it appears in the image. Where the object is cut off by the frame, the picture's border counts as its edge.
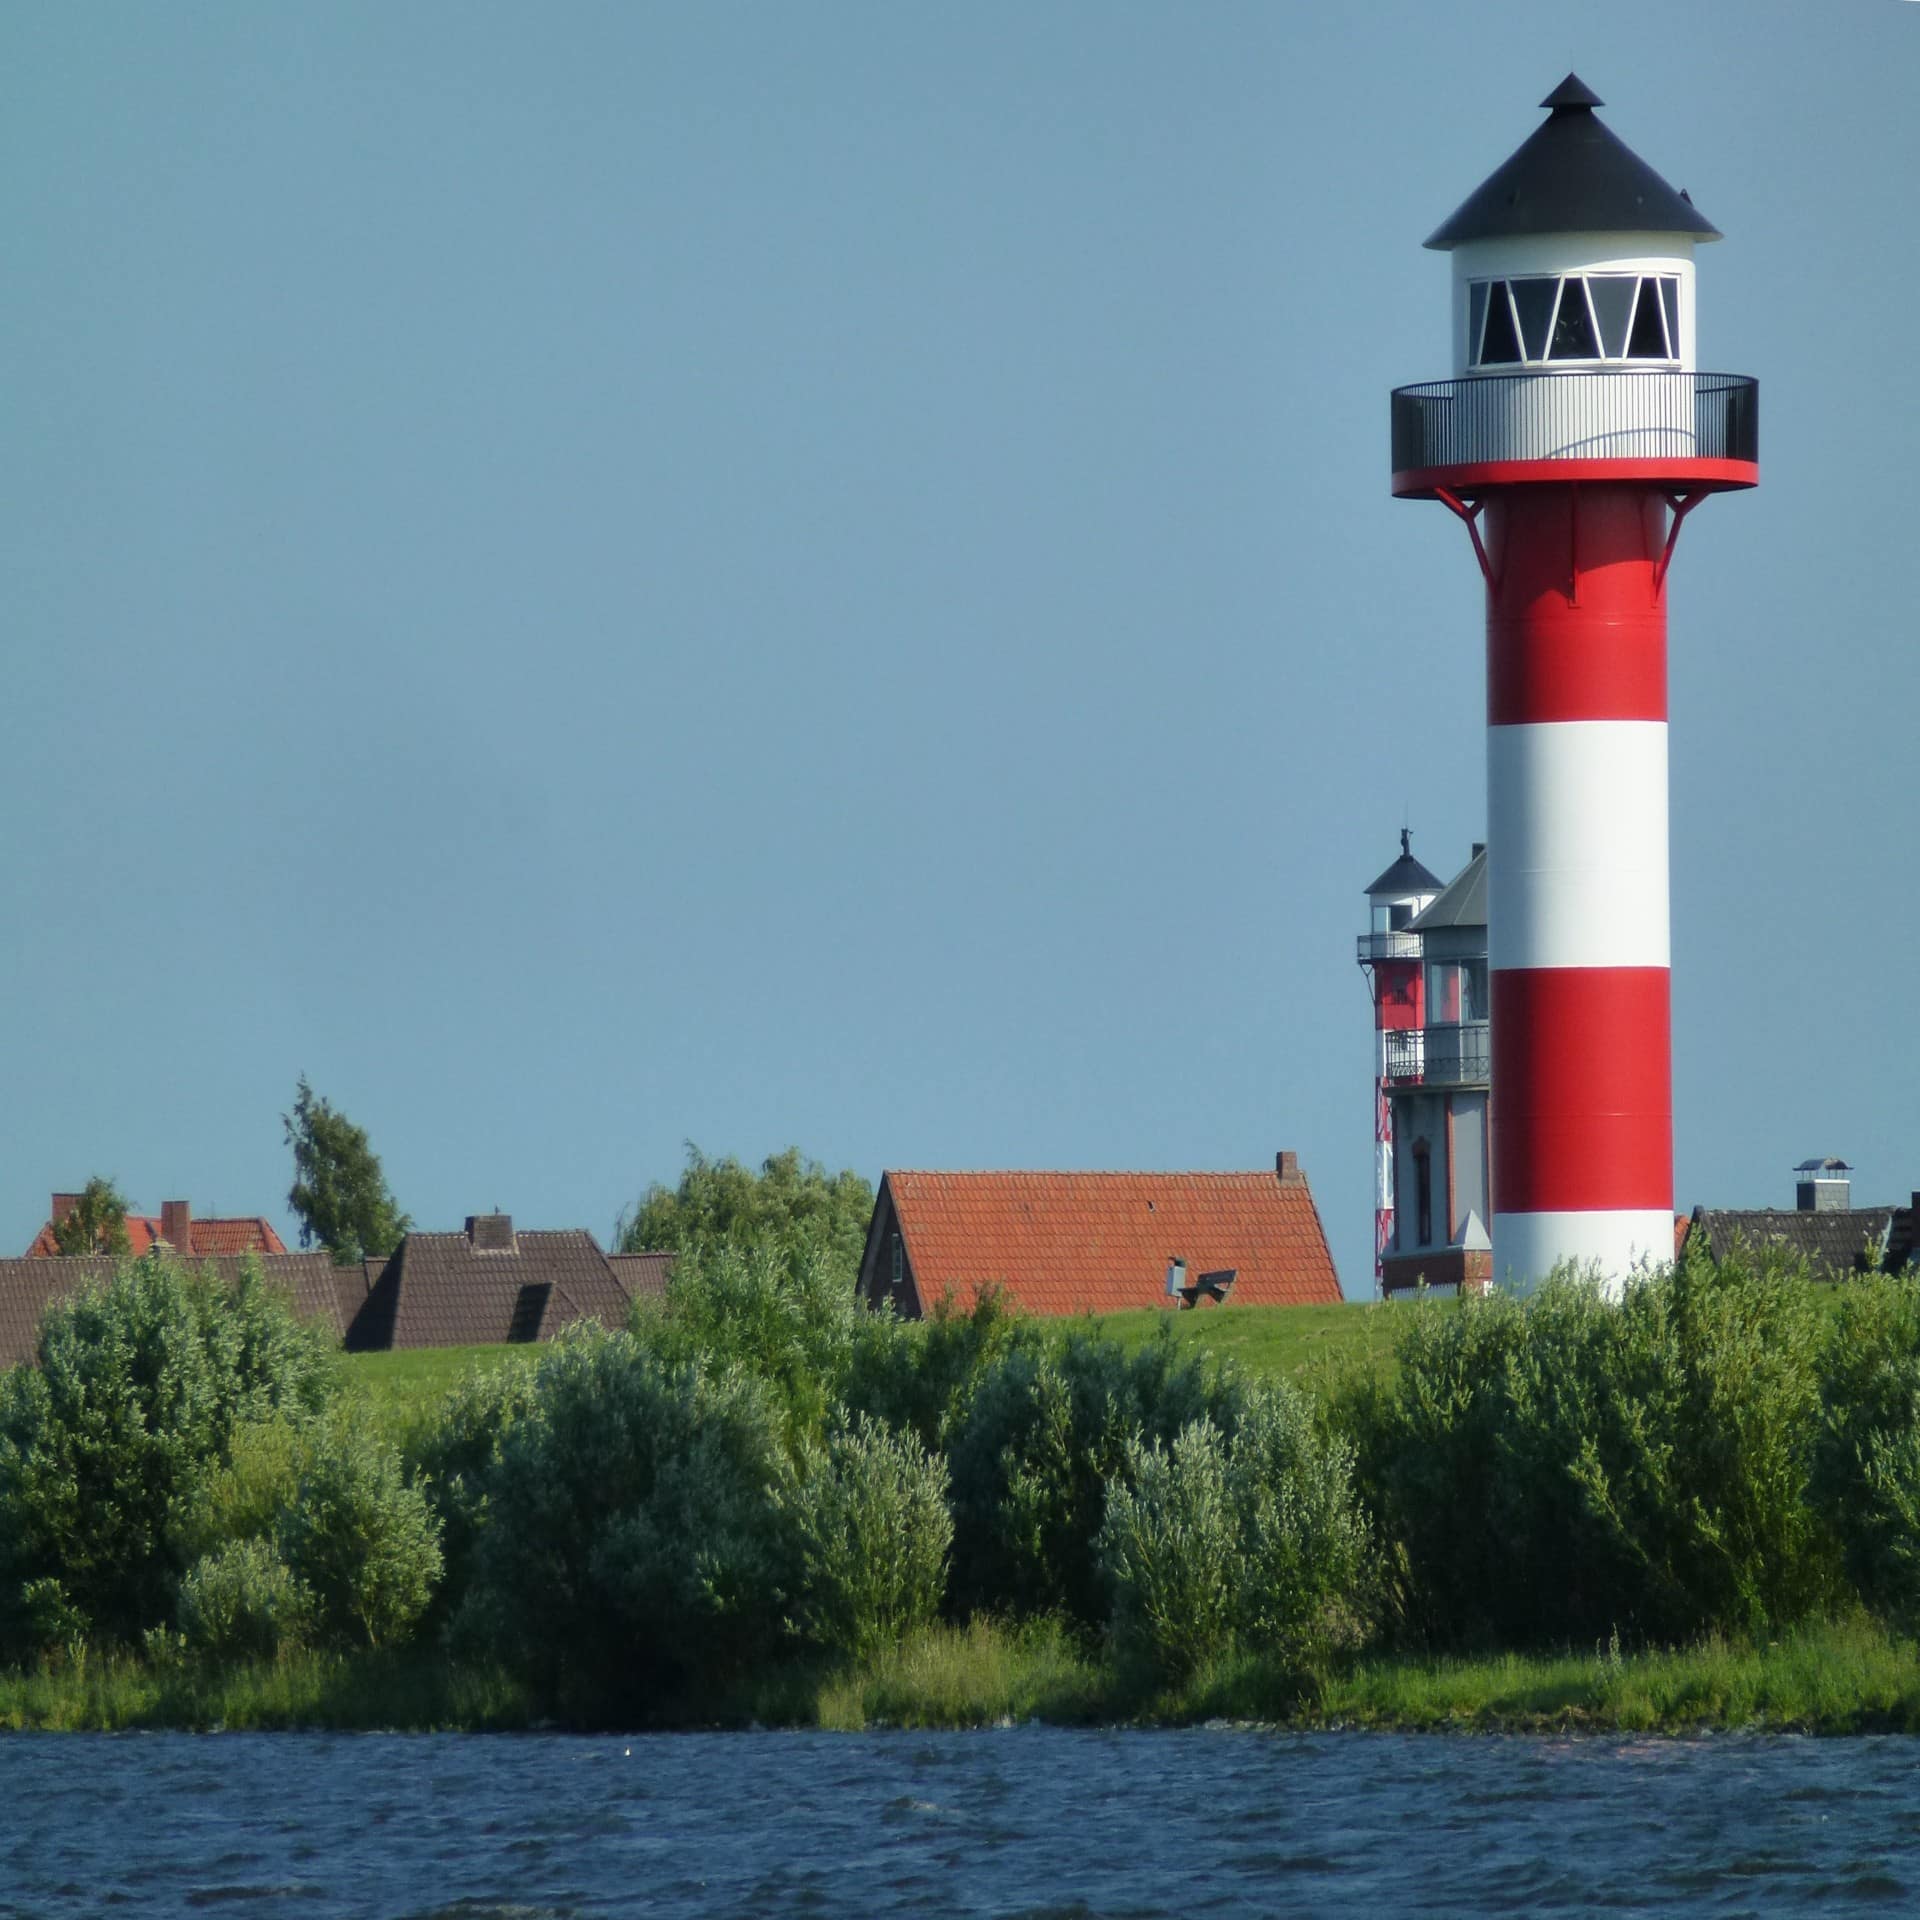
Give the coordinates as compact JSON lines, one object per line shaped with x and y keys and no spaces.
{"x":1573,"y":175}
{"x":1462,"y":902}
{"x":1406,"y":875}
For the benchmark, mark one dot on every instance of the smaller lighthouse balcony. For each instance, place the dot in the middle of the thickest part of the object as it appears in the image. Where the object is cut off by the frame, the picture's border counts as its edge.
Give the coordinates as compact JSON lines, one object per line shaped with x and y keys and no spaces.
{"x":1395,"y":944}
{"x":1456,"y":1054}
{"x":1698,"y":431}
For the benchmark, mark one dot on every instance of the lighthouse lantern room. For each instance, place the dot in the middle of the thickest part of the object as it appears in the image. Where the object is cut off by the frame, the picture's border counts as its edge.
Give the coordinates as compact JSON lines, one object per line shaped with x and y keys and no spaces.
{"x":1573,"y":440}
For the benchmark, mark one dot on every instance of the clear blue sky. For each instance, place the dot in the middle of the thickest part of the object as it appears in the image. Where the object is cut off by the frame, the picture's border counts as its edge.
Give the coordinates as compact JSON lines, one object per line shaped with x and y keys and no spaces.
{"x":597,"y":576}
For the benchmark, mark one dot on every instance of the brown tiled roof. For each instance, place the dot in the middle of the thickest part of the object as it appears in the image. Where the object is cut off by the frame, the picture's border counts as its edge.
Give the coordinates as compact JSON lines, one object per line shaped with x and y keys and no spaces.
{"x":1064,"y":1243}
{"x":247,"y":1233}
{"x":1832,"y":1243}
{"x":642,"y":1276}
{"x":29,"y":1286}
{"x":441,"y":1290}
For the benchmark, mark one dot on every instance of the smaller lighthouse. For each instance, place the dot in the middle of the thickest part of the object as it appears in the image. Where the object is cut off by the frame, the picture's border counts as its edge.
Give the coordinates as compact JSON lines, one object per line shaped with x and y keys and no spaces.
{"x":1390,"y":958}
{"x":1575,"y":437}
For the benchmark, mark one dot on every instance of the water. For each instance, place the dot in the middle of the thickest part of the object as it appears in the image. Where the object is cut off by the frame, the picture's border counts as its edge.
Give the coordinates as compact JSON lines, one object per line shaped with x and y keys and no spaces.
{"x":1034,"y":1822}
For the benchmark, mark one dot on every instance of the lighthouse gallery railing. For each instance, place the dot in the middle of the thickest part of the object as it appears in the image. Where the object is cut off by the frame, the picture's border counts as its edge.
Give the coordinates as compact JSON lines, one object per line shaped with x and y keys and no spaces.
{"x":1487,"y":418}
{"x":1453,"y":1055}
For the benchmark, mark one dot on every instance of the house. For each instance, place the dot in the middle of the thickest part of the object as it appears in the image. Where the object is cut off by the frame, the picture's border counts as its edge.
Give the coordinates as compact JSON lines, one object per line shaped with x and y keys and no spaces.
{"x":1825,"y":1229}
{"x":1065,"y":1243}
{"x":175,"y":1224}
{"x":29,"y":1286}
{"x":492,"y":1283}
{"x":485,"y":1285}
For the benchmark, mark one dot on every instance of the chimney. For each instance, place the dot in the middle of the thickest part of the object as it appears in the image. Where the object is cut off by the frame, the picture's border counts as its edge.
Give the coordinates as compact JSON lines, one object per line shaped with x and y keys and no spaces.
{"x":63,"y":1204}
{"x":176,"y":1226}
{"x":1286,"y":1167}
{"x":1822,"y":1186}
{"x":491,"y":1233}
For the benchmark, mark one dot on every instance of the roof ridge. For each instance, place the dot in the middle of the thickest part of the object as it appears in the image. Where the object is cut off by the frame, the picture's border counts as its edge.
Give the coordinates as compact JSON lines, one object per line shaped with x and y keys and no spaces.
{"x":1091,"y":1173}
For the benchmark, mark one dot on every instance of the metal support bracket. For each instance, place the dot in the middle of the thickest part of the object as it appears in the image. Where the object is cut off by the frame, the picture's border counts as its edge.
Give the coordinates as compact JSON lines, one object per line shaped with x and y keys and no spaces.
{"x":1682,"y":505}
{"x":1470,"y":516}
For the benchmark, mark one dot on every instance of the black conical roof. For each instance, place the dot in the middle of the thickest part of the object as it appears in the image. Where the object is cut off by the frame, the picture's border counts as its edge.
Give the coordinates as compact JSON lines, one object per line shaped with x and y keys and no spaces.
{"x":1574,"y":175}
{"x":1406,"y":875}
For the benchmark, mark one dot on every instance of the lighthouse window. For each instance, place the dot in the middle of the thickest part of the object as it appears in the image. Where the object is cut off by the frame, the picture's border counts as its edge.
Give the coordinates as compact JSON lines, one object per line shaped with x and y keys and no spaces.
{"x":1648,"y":340}
{"x":1502,"y":342}
{"x":1612,"y":297}
{"x":1602,"y":316}
{"x":1533,"y":301}
{"x":1573,"y":335}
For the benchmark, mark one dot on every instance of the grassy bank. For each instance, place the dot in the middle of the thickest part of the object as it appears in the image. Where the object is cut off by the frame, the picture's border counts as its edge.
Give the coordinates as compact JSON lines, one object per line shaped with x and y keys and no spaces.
{"x":414,"y":1692}
{"x":1834,"y":1679}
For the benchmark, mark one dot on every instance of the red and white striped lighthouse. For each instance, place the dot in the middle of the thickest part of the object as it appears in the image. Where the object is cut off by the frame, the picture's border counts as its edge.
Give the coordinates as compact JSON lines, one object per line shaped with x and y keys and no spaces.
{"x":1573,"y":441}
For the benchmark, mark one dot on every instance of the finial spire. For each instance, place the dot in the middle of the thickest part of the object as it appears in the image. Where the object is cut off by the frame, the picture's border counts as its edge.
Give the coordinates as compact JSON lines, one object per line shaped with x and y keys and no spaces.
{"x":1571,"y":94}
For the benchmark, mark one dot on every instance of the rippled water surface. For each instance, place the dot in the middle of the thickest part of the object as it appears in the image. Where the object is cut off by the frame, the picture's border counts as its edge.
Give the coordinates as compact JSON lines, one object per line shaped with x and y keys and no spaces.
{"x":1029,"y":1822}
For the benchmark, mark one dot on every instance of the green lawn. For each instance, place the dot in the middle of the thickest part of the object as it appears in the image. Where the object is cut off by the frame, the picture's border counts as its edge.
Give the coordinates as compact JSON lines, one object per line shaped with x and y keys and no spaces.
{"x":400,"y":1389}
{"x":1302,"y":1344}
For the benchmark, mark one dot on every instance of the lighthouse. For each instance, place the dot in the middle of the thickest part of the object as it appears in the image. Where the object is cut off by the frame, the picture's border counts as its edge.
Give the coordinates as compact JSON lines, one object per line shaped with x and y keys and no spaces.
{"x":1389,"y":956}
{"x":1573,"y":440}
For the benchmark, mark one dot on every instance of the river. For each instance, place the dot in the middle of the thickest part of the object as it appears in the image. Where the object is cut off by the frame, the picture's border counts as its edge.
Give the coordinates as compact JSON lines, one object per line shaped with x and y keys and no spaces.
{"x":1020,"y":1822}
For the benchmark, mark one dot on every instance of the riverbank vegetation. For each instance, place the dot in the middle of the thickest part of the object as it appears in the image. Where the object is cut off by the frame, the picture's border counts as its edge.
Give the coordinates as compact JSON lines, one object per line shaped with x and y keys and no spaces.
{"x":762,"y":1504}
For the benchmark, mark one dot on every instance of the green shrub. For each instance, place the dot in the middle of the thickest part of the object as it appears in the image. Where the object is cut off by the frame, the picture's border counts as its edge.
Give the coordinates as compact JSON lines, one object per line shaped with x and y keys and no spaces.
{"x":106,"y":1445}
{"x":1866,"y":1470}
{"x":1053,"y":1422}
{"x":1565,"y":1467}
{"x":1170,"y":1548}
{"x":362,"y":1541}
{"x":874,"y":1531}
{"x":783,"y":1312}
{"x":242,"y":1602}
{"x":919,"y":1376}
{"x":1254,"y":1539}
{"x":450,"y":1457}
{"x":638,"y":1544}
{"x":1311,"y":1570}
{"x":244,"y":1499}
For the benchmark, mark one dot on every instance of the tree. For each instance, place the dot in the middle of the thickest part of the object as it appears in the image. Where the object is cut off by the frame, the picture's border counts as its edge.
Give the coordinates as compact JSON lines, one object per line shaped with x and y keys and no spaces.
{"x":723,"y":1203}
{"x":338,"y":1189}
{"x":108,"y":1446}
{"x":98,"y":1222}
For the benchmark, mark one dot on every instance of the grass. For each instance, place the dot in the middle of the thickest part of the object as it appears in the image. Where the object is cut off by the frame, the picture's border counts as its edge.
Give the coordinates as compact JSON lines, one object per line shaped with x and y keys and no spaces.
{"x":415,"y":1691}
{"x":1848,"y":1677}
{"x":1304,"y":1345}
{"x":400,"y":1390}
{"x":1301,"y":1344}
{"x":1838,"y":1678}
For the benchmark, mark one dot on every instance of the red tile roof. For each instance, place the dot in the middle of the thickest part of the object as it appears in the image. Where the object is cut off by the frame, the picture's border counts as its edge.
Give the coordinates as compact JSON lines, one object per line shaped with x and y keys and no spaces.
{"x":1064,"y":1243}
{"x":212,"y":1239}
